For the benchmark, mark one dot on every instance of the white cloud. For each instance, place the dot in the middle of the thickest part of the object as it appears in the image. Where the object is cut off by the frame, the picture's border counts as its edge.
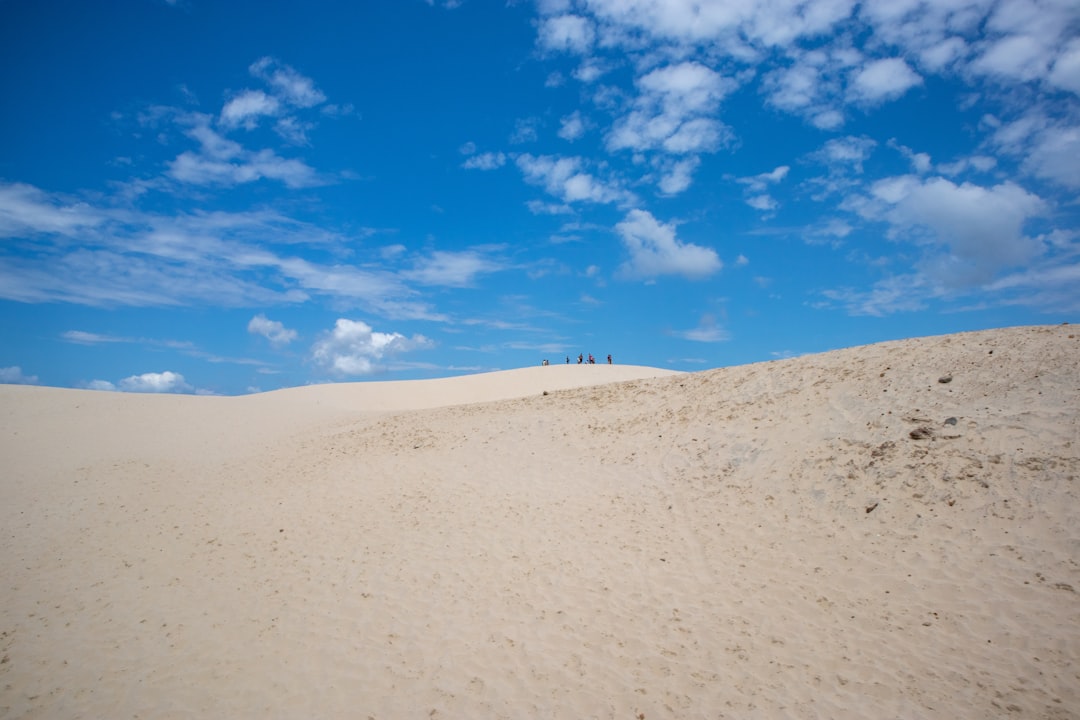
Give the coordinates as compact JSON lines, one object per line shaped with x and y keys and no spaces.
{"x":726,"y":23}
{"x":942,"y":55}
{"x":1066,"y":71}
{"x":678,"y":176}
{"x":590,"y":70}
{"x":686,"y":88}
{"x":566,"y":33}
{"x":246,"y":108}
{"x":834,"y":228}
{"x":673,"y":111}
{"x":826,"y":119}
{"x":197,"y":169}
{"x":572,"y":126}
{"x":162,"y":382}
{"x":811,"y":85}
{"x":654,"y":250}
{"x":845,"y":152}
{"x":758,"y":183}
{"x":485,"y":161}
{"x":1015,"y":57}
{"x":272,"y":330}
{"x":100,"y":385}
{"x":920,"y":162}
{"x":1011,"y":136}
{"x":221,"y":161}
{"x":566,"y":179}
{"x":762,"y":202}
{"x":981,"y":228}
{"x":882,"y":80}
{"x":354,"y":348}
{"x":14,"y":376}
{"x":1055,"y":155}
{"x":805,"y":51}
{"x":796,"y":87}
{"x":1046,"y":147}
{"x":211,"y":143}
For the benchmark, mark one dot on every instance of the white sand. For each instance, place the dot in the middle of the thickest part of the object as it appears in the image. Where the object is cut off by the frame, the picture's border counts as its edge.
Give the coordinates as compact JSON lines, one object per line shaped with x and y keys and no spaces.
{"x":683,"y":546}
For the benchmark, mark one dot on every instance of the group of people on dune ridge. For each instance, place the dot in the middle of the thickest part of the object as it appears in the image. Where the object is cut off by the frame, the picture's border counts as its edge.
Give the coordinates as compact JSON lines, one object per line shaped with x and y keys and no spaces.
{"x":581,"y":360}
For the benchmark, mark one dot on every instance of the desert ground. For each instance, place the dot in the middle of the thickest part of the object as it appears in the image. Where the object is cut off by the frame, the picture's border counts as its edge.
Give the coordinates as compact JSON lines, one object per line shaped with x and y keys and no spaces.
{"x":889,"y":531}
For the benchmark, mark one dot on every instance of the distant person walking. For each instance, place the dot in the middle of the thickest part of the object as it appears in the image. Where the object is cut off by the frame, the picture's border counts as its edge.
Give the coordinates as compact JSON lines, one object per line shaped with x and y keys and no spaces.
{"x":580,"y":357}
{"x":609,"y":358}
{"x":567,"y":359}
{"x":592,"y":360}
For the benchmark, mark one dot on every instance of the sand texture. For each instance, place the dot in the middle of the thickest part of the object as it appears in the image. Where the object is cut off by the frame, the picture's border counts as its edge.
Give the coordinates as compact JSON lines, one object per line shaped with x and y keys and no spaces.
{"x":889,"y":531}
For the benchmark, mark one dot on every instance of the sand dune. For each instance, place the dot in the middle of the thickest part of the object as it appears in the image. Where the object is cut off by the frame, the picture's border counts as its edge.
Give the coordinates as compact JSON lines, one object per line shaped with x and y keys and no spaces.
{"x":889,"y":531}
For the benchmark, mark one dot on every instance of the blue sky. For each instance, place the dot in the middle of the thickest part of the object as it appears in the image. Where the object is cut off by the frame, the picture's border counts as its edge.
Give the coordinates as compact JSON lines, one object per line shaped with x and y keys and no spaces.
{"x":226,"y":197}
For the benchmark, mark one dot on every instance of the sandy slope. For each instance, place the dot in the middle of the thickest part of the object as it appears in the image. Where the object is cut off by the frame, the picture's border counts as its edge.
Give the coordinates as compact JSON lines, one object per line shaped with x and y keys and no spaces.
{"x":841,"y":535}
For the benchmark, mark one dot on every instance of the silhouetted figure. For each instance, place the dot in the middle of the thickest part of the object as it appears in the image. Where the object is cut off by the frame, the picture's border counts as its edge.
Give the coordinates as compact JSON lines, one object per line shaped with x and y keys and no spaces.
{"x":580,"y":357}
{"x":609,"y":358}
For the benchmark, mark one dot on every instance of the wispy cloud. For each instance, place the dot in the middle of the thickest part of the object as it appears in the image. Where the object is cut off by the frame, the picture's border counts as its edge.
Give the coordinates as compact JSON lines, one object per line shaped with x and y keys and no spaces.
{"x":452,"y":269}
{"x":80,"y":337}
{"x":27,"y":210}
{"x":224,"y":162}
{"x":708,"y":330}
{"x":287,"y":84}
{"x":225,"y":259}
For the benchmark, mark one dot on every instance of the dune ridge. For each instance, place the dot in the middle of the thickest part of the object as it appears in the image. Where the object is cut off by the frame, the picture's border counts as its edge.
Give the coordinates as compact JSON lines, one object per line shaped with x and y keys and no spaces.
{"x":885,"y":531}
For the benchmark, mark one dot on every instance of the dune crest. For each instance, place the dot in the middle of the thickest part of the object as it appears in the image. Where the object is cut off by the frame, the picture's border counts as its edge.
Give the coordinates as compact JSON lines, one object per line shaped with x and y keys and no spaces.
{"x":886,"y":531}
